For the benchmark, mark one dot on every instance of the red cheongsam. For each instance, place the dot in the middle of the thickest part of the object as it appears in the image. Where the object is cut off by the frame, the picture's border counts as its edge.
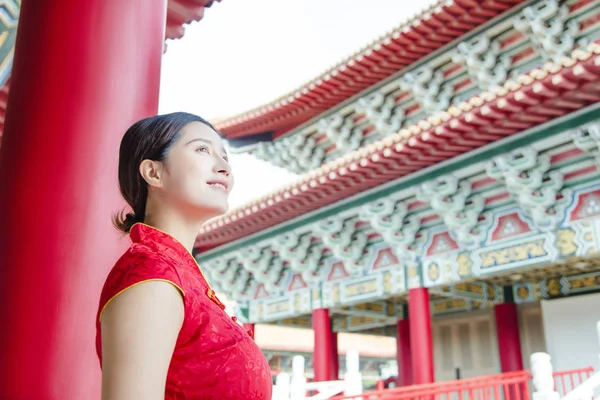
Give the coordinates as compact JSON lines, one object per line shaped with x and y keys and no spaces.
{"x":214,"y":357}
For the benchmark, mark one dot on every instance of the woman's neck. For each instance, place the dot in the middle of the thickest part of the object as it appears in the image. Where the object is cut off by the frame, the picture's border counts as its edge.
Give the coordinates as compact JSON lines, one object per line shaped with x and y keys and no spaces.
{"x":183,"y":230}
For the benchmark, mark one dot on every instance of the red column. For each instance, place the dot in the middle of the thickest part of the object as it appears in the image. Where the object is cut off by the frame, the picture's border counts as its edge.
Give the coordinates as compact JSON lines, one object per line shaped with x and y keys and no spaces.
{"x":83,"y":72}
{"x":403,"y":353}
{"x":420,"y":336}
{"x":509,"y":340}
{"x":323,"y":360}
{"x":335,"y":358}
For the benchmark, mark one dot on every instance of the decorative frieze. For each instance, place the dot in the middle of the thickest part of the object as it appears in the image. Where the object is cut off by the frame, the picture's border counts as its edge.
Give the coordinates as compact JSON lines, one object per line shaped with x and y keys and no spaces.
{"x":461,"y":212}
{"x":301,"y":253}
{"x":428,"y":88}
{"x":587,"y":138}
{"x":482,"y":58}
{"x":213,"y":270}
{"x":545,"y":23}
{"x":382,"y":112}
{"x":345,"y":241}
{"x":390,"y":219}
{"x":223,"y":273}
{"x":265,"y":267}
{"x":296,"y":153}
{"x":570,"y":285}
{"x":342,"y":131}
{"x":528,"y":180}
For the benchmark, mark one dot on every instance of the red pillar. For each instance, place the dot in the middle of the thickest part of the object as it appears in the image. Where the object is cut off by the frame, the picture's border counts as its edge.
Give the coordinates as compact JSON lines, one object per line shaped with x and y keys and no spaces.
{"x":509,"y":340}
{"x":323,"y":360}
{"x":335,"y":358}
{"x":420,"y":336}
{"x":403,"y":353}
{"x":83,"y":72}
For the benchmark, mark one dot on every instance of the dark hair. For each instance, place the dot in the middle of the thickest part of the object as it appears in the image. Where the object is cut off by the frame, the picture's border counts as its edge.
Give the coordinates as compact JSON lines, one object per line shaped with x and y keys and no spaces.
{"x":148,"y":139}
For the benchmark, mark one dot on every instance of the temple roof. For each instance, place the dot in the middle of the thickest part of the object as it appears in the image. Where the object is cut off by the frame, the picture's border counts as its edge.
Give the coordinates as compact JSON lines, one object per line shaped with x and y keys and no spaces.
{"x":420,"y":36}
{"x":532,"y":99}
{"x":179,"y":14}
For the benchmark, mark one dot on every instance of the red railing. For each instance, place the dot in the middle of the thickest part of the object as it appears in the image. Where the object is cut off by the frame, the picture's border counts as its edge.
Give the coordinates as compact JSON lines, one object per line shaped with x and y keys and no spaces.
{"x":507,"y":386}
{"x":566,"y":381}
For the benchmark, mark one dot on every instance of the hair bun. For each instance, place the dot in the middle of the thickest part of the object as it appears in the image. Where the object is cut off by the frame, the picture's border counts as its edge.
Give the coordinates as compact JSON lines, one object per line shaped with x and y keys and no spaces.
{"x":124,"y":222}
{"x":130,"y":219}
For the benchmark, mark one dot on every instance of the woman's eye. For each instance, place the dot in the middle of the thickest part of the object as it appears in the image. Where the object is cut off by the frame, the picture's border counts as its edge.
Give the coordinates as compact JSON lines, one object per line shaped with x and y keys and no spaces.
{"x":202,"y":149}
{"x":226,"y":159}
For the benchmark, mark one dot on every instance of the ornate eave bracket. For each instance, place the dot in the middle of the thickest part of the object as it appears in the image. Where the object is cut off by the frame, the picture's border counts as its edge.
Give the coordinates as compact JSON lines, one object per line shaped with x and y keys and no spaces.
{"x":461,"y":211}
{"x":389,"y":218}
{"x":227,"y":277}
{"x":546,"y":25}
{"x":486,"y":67}
{"x":263,"y":264}
{"x":302,"y":254}
{"x":527,"y":178}
{"x":382,"y":112}
{"x":587,"y":138}
{"x":428,"y":88}
{"x":345,"y":241}
{"x":342,"y":131}
{"x":298,"y":153}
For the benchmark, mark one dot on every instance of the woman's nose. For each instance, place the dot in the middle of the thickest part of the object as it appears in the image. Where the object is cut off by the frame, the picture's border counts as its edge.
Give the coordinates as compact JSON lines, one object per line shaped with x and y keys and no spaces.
{"x":222,"y":167}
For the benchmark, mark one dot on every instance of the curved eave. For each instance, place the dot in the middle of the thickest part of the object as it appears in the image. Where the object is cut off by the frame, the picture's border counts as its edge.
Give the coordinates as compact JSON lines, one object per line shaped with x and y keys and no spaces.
{"x":435,"y":27}
{"x":533,"y":99}
{"x":179,"y":14}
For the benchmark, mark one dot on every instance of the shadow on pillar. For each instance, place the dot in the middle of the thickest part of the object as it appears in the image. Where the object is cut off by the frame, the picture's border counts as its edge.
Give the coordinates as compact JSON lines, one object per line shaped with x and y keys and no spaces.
{"x":323,"y":360}
{"x":421,"y":343}
{"x":403,"y":351}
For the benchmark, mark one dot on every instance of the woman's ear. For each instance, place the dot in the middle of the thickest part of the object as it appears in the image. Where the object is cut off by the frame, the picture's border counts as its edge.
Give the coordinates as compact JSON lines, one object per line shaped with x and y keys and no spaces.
{"x":152,"y":172}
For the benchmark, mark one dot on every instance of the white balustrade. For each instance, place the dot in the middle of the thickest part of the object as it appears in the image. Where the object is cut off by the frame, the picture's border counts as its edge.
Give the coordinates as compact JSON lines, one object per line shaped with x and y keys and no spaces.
{"x":294,"y":387}
{"x":298,"y":384}
{"x":281,"y":390}
{"x":544,"y":385}
{"x":543,"y":380}
{"x":353,"y":377}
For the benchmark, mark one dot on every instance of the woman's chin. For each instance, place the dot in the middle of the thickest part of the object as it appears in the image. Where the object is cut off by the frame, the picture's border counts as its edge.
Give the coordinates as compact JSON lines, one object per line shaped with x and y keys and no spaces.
{"x":215,"y":210}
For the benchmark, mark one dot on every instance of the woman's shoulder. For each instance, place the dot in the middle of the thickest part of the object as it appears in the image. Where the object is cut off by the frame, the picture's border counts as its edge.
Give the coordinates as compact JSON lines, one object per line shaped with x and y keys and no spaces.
{"x":137,"y":265}
{"x":145,"y":258}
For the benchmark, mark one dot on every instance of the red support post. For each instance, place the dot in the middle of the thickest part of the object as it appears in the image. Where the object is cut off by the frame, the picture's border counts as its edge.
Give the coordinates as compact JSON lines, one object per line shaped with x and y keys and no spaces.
{"x":323,"y":360}
{"x":83,"y":72}
{"x":420,"y":336}
{"x":335,"y":357}
{"x":509,"y":340}
{"x":403,"y":353}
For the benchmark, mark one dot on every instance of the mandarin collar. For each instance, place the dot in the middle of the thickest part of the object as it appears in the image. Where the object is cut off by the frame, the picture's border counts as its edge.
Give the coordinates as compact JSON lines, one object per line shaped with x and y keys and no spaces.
{"x":170,"y":247}
{"x":157,"y":239}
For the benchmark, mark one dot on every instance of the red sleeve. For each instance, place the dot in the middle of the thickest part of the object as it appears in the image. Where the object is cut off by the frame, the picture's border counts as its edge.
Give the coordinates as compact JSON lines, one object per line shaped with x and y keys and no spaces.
{"x":136,"y":267}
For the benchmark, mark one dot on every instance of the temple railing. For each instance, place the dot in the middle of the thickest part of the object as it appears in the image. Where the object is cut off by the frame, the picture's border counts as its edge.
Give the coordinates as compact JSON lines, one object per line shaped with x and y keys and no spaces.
{"x":508,"y":386}
{"x":513,"y":386}
{"x":564,"y":381}
{"x":567,"y":381}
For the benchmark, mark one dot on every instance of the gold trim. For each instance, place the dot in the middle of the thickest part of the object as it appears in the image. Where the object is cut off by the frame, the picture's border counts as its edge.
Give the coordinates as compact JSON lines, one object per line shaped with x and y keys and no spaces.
{"x":135,"y":284}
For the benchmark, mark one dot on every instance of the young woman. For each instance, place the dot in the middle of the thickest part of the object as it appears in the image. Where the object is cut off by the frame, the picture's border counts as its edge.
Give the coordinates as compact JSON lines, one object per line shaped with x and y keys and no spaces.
{"x":162,"y":333}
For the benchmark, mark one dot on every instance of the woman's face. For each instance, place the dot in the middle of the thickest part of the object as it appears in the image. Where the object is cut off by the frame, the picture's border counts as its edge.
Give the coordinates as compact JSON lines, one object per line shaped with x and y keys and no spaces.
{"x":196,"y":176}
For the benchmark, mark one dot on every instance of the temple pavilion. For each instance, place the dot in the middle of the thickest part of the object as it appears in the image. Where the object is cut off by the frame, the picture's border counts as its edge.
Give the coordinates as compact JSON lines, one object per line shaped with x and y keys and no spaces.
{"x":448,"y":195}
